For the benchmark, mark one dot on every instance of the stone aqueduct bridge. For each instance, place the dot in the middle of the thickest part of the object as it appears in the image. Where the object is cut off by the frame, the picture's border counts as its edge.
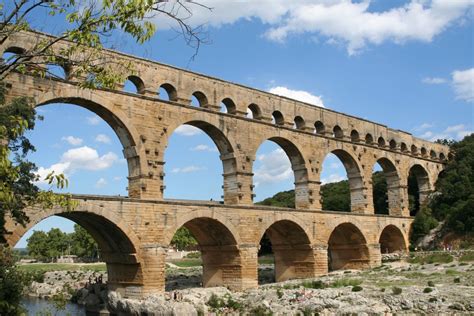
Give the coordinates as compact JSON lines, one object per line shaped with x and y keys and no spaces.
{"x":134,"y":232}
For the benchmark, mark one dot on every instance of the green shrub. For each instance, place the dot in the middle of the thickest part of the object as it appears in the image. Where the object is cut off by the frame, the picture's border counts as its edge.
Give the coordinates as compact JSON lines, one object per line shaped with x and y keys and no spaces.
{"x":260,"y":311}
{"x":431,"y":283}
{"x":357,"y":288}
{"x":428,"y":290}
{"x":227,"y":301}
{"x":469,"y":256}
{"x":315,"y":284}
{"x":215,"y":301}
{"x":279,"y":293}
{"x":397,"y":290}
{"x":457,"y":280}
{"x":382,"y":289}
{"x":346,"y":282}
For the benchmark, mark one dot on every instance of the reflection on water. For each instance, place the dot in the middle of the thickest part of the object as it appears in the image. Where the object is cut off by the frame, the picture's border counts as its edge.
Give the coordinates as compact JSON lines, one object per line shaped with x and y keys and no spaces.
{"x":35,"y":306}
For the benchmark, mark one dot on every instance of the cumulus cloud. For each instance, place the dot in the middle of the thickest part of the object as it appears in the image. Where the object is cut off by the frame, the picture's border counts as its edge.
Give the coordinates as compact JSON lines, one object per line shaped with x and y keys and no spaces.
{"x":299,"y":95}
{"x":187,"y":130}
{"x":71,"y":140}
{"x":187,"y":169}
{"x":101,"y":183}
{"x":82,"y":158}
{"x":333,"y":178}
{"x":456,"y":132}
{"x":203,"y":147}
{"x":102,"y":138}
{"x":463,"y":84}
{"x":433,"y":80}
{"x":342,"y":21}
{"x":93,"y":120}
{"x":274,"y":167}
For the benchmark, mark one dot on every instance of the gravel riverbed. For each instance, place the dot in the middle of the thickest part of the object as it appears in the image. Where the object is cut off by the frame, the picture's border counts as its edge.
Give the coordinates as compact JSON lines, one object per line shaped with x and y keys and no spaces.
{"x":394,"y":288}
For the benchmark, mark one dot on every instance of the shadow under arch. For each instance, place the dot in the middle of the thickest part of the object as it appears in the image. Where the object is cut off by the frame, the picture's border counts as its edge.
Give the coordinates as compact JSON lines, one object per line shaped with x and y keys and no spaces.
{"x":347,"y":248}
{"x":298,"y":165}
{"x":118,"y":244}
{"x":227,"y":156}
{"x":392,"y":179}
{"x":221,"y":258}
{"x":419,"y":186}
{"x":392,"y":240}
{"x":292,"y":250}
{"x":354,"y":176}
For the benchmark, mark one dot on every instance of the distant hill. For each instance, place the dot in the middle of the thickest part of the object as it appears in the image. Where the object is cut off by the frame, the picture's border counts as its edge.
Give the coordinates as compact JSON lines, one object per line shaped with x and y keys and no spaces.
{"x":335,"y":196}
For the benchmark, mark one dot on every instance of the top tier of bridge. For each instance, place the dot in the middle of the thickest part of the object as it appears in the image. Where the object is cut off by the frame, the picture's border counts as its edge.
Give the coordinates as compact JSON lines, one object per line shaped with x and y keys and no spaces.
{"x":149,"y":76}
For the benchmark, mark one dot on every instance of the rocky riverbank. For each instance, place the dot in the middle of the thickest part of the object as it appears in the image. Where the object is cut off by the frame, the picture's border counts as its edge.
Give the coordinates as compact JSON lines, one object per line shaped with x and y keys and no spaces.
{"x":396,"y":287}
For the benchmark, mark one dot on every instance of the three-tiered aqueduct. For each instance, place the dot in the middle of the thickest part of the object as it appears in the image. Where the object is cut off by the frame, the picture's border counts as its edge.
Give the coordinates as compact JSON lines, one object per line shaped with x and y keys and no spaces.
{"x":134,"y":232}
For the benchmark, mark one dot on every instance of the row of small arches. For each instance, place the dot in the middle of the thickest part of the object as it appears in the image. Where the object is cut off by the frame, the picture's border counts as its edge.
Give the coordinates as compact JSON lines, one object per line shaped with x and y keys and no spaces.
{"x":168,"y":92}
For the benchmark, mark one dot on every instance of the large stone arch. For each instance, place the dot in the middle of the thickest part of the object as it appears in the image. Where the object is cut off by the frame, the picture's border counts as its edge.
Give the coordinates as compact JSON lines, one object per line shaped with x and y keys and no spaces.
{"x":119,"y":246}
{"x":123,"y":127}
{"x":221,"y":256}
{"x":392,"y":240}
{"x":292,"y":249}
{"x":298,"y":165}
{"x":395,"y":194}
{"x":227,"y":154}
{"x":355,"y":178}
{"x":423,"y":181}
{"x":201,"y":213}
{"x":347,"y":248}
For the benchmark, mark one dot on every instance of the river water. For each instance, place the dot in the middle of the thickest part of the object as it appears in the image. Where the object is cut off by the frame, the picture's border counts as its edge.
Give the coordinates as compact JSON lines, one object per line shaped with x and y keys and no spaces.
{"x":36,"y":306}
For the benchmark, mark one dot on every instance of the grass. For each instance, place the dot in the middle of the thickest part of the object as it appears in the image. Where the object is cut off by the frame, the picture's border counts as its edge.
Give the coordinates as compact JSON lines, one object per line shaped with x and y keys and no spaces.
{"x":46,"y":267}
{"x":467,"y":257}
{"x":435,"y":258}
{"x":187,"y":263}
{"x":266,"y":260}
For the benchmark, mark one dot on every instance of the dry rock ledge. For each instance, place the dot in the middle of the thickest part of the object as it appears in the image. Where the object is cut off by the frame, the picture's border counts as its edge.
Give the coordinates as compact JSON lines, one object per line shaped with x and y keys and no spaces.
{"x":394,"y":288}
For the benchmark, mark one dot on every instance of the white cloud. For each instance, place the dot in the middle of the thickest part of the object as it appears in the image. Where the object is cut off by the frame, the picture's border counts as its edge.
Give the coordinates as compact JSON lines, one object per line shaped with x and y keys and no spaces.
{"x":423,"y":127}
{"x":82,"y":158}
{"x":340,"y":21}
{"x":187,"y":130}
{"x":101,"y":183}
{"x":299,"y":95}
{"x":102,"y":138}
{"x":93,"y":120}
{"x":203,"y":147}
{"x":433,"y":80}
{"x":274,"y":167}
{"x":71,"y":140}
{"x":333,"y":178}
{"x":463,"y":83}
{"x":456,"y":132}
{"x":187,"y":169}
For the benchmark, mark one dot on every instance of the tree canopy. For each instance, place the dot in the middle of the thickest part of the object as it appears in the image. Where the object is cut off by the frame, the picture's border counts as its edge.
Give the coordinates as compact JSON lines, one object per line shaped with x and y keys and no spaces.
{"x":48,"y":246}
{"x":453,"y":201}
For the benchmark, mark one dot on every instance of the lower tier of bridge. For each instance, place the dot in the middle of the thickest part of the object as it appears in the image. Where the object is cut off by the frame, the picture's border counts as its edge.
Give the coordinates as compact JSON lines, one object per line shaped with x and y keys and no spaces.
{"x":134,"y":236}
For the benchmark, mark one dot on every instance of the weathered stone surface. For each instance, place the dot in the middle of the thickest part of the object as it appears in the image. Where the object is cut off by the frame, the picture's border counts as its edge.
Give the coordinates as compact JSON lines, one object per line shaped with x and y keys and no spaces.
{"x":134,"y":233}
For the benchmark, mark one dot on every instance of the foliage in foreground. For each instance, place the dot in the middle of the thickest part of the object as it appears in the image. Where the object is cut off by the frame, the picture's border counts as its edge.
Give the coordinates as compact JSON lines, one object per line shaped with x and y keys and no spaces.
{"x":18,"y":189}
{"x":13,"y":281}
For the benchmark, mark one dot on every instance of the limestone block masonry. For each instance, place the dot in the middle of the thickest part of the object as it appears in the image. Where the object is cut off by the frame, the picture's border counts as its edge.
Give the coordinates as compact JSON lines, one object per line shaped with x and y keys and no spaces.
{"x":134,"y":232}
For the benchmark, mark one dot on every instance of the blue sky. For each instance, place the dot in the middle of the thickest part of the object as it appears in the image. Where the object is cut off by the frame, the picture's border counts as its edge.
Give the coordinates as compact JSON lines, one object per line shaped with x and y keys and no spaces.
{"x":406,"y":64}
